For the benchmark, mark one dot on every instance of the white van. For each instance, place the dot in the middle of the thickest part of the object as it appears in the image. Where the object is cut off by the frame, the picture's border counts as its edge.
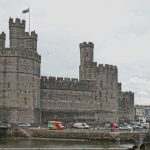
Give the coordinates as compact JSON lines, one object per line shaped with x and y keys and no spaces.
{"x":145,"y":125}
{"x":81,"y":125}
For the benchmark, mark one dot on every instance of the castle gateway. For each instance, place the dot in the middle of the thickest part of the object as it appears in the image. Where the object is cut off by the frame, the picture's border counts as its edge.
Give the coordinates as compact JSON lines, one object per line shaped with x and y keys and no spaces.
{"x":28,"y":97}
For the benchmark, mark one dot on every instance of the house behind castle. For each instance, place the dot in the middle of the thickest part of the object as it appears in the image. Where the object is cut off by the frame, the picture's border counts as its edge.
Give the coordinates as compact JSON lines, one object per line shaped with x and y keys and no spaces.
{"x":26,"y":96}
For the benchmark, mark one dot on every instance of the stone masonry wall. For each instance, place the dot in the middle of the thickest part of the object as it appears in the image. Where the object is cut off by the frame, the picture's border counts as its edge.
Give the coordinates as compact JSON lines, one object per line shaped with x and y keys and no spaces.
{"x":100,"y":98}
{"x":71,"y":84}
{"x":66,"y":100}
{"x":8,"y":85}
{"x":62,"y":103}
{"x":67,"y":115}
{"x":66,"y":95}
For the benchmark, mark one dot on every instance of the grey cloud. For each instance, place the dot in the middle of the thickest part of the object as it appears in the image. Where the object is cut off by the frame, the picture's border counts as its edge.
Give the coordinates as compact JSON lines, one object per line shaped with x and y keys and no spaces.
{"x":141,"y":88}
{"x":141,"y":8}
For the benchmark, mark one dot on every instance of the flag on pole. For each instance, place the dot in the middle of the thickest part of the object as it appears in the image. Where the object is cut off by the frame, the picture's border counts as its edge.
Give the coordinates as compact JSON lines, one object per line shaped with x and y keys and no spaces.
{"x":25,"y":11}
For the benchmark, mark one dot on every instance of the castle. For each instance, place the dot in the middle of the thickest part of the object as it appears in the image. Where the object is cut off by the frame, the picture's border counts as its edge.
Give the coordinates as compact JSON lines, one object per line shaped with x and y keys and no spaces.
{"x":28,"y":97}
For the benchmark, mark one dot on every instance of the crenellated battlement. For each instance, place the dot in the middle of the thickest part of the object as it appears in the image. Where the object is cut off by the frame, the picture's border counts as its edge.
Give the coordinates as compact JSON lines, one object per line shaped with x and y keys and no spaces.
{"x":85,"y":44}
{"x":58,"y":79}
{"x":107,"y":67}
{"x":16,"y":53}
{"x":8,"y":52}
{"x":33,"y":35}
{"x":16,"y":23}
{"x":61,"y":83}
{"x":94,"y":64}
{"x":30,"y":42}
{"x":128,"y":93}
{"x":119,"y":87}
{"x":2,"y":40}
{"x":3,"y":36}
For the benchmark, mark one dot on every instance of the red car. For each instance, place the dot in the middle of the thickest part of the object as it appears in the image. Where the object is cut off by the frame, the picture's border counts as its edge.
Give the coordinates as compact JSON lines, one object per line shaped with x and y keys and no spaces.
{"x":114,"y":126}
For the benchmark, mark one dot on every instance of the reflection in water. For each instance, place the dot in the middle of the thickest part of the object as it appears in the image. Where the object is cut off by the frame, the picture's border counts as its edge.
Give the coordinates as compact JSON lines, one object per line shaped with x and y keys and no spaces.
{"x":52,"y":143}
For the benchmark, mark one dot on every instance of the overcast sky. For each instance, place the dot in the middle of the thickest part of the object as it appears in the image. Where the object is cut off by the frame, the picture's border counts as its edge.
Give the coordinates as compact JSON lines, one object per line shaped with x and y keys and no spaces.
{"x":119,"y":29}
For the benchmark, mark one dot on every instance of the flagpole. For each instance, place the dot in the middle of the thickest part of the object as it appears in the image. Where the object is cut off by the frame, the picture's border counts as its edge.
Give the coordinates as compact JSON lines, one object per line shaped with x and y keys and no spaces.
{"x":29,"y":14}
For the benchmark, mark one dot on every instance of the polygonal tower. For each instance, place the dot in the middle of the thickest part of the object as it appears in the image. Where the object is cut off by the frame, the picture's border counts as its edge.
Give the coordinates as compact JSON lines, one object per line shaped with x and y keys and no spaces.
{"x":19,"y":76}
{"x":87,"y":68}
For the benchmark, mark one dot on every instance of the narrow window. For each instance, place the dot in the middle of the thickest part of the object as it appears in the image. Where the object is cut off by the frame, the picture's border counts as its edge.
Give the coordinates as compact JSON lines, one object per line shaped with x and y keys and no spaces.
{"x":100,"y":94}
{"x":8,"y":85}
{"x":25,"y":100}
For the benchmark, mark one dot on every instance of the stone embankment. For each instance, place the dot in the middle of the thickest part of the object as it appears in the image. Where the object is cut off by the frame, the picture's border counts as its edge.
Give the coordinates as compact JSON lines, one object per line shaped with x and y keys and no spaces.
{"x":72,"y":134}
{"x":64,"y":149}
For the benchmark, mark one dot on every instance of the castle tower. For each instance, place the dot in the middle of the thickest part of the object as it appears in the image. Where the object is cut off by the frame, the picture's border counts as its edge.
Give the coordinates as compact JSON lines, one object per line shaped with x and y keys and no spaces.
{"x":20,"y":76}
{"x":87,"y":66}
{"x":17,"y":33}
{"x":126,"y":106}
{"x":31,"y":41}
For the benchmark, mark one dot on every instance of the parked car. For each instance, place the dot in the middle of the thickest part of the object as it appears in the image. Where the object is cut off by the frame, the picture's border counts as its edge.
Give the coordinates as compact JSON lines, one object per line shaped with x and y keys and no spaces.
{"x":25,"y":125}
{"x":145,"y":125}
{"x":135,"y":123}
{"x":134,"y":126}
{"x":107,"y":125}
{"x":114,"y":126}
{"x":127,"y":127}
{"x":79,"y":125}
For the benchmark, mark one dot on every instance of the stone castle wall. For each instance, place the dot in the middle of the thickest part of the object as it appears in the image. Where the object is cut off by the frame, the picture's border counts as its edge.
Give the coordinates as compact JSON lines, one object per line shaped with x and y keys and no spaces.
{"x":71,"y":84}
{"x":97,"y":91}
{"x":63,"y":96}
{"x":98,"y":97}
{"x":25,"y":97}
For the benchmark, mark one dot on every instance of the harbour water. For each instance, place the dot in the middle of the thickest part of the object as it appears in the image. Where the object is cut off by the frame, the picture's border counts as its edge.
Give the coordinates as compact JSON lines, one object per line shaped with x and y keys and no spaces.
{"x":53,"y":143}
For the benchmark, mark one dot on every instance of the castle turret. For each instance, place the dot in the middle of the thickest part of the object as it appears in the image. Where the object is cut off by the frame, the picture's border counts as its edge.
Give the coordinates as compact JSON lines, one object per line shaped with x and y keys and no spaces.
{"x":30,"y":41}
{"x":119,"y":87}
{"x":126,"y":106}
{"x":86,"y":53}
{"x":2,"y":40}
{"x":87,"y":66}
{"x":17,"y":33}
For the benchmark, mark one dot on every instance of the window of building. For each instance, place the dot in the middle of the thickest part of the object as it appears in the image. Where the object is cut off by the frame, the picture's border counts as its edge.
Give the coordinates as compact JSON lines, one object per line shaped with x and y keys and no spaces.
{"x":87,"y":54}
{"x":25,"y":100}
{"x":8,"y":85}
